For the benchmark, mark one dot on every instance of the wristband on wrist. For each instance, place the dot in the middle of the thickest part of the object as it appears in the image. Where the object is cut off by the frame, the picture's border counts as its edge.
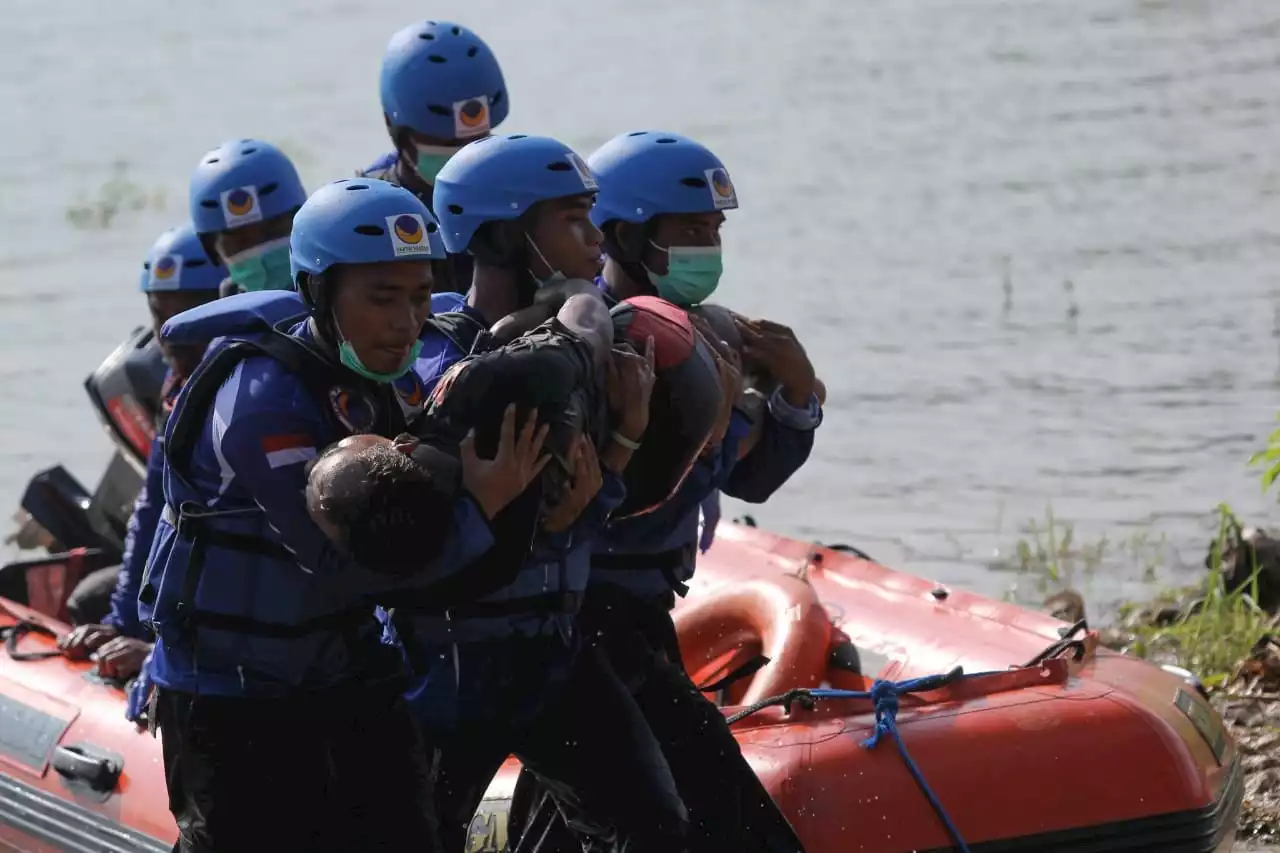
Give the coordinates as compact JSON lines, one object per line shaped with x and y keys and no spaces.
{"x":621,"y":439}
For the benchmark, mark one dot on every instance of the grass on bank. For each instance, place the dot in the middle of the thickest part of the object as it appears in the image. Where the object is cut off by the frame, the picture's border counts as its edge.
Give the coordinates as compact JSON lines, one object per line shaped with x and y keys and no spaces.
{"x":1210,"y":639}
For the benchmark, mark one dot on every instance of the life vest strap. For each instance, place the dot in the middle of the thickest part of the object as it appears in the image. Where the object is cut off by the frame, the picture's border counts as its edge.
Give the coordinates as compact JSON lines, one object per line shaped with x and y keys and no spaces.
{"x":666,"y":562}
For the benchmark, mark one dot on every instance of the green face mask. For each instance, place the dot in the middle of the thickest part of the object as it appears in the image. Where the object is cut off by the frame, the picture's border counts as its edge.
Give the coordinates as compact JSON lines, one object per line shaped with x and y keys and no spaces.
{"x":350,"y":360}
{"x":431,"y":159}
{"x":693,"y":272}
{"x":264,"y":267}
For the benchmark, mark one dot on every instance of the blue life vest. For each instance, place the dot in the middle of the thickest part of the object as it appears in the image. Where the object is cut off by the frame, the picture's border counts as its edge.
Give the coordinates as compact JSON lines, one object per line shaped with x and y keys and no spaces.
{"x":286,"y":610}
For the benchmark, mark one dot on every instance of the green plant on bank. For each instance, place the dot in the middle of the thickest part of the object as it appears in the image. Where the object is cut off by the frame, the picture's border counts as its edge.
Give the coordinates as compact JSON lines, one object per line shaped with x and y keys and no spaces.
{"x":1050,"y":551}
{"x":1212,"y":639}
{"x":117,"y":195}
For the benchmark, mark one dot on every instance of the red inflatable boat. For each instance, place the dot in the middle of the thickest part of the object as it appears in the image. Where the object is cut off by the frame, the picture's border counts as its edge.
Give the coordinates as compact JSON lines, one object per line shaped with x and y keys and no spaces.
{"x":1044,"y":743}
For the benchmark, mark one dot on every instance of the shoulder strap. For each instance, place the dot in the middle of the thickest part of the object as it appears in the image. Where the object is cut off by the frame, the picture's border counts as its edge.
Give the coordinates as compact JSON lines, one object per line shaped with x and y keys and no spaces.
{"x":320,"y":375}
{"x":465,"y":332}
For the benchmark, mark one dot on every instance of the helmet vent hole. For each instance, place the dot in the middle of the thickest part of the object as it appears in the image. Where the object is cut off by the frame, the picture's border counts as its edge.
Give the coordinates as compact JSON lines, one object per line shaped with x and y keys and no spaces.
{"x":208,"y":202}
{"x":437,"y":58}
{"x":666,"y":140}
{"x":267,"y":189}
{"x":559,"y":166}
{"x":694,"y":182}
{"x":638,"y":133}
{"x":455,"y":209}
{"x":146,"y":265}
{"x":427,"y":36}
{"x":457,"y":31}
{"x":194,"y":262}
{"x":471,"y":52}
{"x":497,"y":96}
{"x":370,"y":230}
{"x":247,"y":151}
{"x":245,"y":141}
{"x":518,"y":136}
{"x":439,"y":110}
{"x":431,"y":23}
{"x":432,"y":228}
{"x":211,"y":161}
{"x":355,"y":187}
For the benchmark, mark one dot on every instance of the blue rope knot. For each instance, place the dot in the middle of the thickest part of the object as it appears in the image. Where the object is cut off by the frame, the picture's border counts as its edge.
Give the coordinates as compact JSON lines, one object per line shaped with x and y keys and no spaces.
{"x":884,"y":695}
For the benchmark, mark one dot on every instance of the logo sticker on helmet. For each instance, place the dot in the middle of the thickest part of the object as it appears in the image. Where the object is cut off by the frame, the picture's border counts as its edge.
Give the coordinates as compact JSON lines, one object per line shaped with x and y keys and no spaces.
{"x":166,"y":273}
{"x":240,"y":206}
{"x":722,"y":192}
{"x":588,"y":179}
{"x":408,"y":235}
{"x":471,"y":117}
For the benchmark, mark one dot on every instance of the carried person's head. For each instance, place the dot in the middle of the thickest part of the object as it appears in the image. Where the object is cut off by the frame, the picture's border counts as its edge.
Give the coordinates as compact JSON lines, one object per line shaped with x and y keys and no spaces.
{"x":387,"y":506}
{"x":178,"y":275}
{"x":661,"y":205}
{"x":441,"y":88}
{"x":361,"y":252}
{"x":520,"y":203}
{"x":244,"y":194}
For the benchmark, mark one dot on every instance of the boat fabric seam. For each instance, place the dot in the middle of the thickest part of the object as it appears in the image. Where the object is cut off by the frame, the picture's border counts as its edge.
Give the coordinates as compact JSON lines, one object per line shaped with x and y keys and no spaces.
{"x":30,"y":810}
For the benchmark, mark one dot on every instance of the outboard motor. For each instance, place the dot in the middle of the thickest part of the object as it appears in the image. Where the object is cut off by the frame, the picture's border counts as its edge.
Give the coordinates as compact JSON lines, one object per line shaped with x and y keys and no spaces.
{"x":126,"y":391}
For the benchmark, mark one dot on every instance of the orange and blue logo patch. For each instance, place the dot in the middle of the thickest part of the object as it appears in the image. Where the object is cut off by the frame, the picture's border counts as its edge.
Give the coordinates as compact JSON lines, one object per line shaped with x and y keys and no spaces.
{"x":408,"y":229}
{"x":471,"y":117}
{"x":411,"y":391}
{"x":408,"y":235}
{"x":165,"y":268}
{"x":723,"y":194}
{"x":239,"y":202}
{"x":353,"y":410}
{"x":240,"y":206}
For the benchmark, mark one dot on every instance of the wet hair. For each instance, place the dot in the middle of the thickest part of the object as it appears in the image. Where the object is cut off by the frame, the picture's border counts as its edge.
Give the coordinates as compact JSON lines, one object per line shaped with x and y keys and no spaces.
{"x":396,"y":520}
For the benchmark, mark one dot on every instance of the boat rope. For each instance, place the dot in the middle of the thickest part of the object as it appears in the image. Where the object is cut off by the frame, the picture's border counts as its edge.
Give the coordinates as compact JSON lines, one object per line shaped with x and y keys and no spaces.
{"x":1068,"y":641}
{"x":884,"y":695}
{"x":15,"y":632}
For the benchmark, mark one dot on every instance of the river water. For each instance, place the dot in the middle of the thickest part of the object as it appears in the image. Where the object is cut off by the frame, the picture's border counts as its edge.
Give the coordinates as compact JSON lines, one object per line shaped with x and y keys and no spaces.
{"x":1030,"y":245}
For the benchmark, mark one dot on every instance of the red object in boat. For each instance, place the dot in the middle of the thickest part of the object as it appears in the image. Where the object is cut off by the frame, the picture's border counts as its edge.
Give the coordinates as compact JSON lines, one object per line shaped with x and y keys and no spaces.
{"x":1101,"y":753}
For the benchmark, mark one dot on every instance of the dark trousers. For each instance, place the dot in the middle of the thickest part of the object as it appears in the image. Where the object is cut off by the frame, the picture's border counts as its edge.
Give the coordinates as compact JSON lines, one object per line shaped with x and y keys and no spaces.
{"x":335,"y":770}
{"x":588,"y":735}
{"x":729,"y":809}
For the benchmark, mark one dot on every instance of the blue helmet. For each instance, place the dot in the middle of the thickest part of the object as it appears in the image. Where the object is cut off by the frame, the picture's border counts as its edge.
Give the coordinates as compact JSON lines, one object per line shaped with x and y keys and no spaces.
{"x":177,"y":262}
{"x":646,"y":173}
{"x":440,"y":79}
{"x":361,"y":221}
{"x":501,"y":177}
{"x":242,"y":182}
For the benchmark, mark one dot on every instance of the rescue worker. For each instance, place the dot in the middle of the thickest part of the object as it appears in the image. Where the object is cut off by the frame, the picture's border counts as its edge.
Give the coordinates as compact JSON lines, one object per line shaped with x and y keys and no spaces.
{"x":283,"y":724}
{"x":441,"y":88}
{"x":176,"y":275}
{"x":244,"y":194}
{"x":505,"y":673}
{"x":661,"y":205}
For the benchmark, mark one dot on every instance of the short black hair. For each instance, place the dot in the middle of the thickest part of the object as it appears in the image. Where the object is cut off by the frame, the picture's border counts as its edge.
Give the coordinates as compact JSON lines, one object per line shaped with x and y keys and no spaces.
{"x":397,"y":521}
